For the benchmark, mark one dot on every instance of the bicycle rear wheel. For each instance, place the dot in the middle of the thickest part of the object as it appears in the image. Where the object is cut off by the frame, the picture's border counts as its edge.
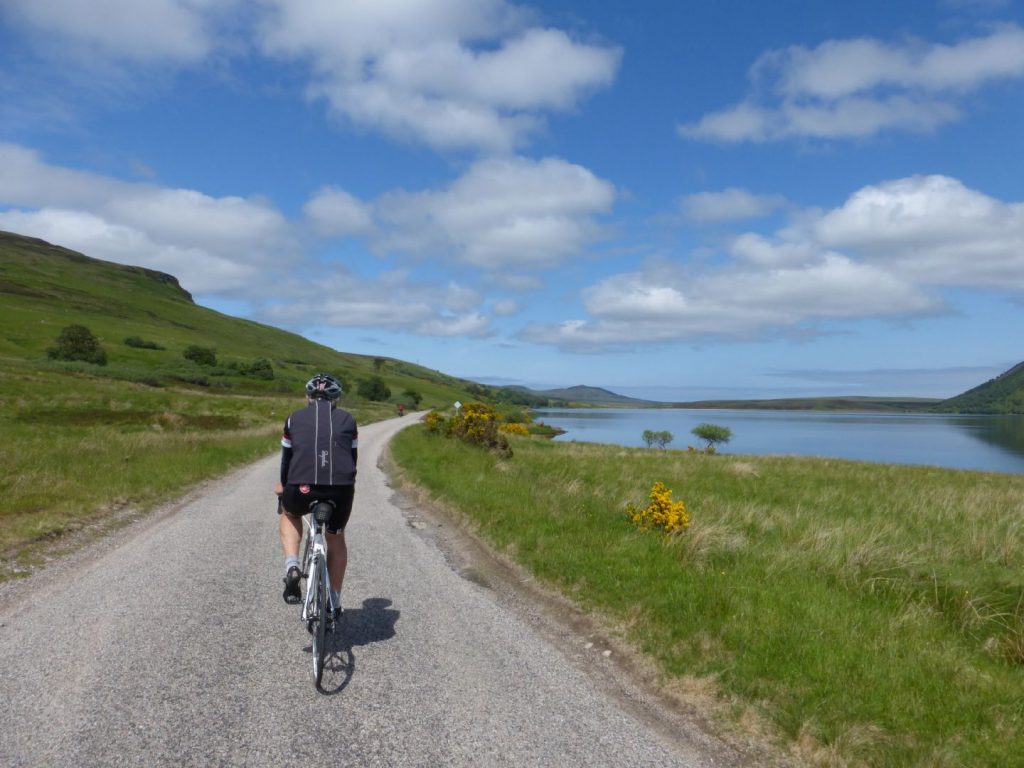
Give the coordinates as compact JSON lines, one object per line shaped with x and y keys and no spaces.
{"x":318,"y":584}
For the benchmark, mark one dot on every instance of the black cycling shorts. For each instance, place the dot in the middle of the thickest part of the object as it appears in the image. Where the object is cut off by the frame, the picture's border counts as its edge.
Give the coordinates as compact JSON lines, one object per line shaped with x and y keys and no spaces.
{"x":297,"y":498}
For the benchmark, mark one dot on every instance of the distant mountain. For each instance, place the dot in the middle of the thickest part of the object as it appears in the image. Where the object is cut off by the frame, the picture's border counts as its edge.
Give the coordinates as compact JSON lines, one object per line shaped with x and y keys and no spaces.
{"x":1003,"y":394}
{"x":584,"y":394}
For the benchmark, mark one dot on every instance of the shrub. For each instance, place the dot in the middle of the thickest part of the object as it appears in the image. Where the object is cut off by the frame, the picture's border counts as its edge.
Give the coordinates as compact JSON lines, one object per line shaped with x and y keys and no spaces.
{"x":514,"y":429}
{"x":374,"y":388}
{"x":139,"y":343}
{"x":660,"y":512}
{"x":413,"y":397}
{"x":260,"y":368}
{"x":77,"y":342}
{"x":435,"y":422}
{"x":476,"y":424}
{"x":200,"y":355}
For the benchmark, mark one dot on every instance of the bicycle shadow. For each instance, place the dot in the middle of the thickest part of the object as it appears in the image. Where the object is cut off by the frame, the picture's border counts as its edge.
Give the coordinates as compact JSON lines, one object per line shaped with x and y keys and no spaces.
{"x":374,"y":622}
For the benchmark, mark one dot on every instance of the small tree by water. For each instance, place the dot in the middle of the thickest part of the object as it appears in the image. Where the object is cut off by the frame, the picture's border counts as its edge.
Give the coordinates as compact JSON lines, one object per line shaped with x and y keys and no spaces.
{"x":712,"y":434}
{"x":660,"y":439}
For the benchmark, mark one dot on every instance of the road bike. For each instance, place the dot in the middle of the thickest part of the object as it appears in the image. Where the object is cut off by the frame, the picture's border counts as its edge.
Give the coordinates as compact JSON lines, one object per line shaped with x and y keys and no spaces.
{"x":318,"y":604}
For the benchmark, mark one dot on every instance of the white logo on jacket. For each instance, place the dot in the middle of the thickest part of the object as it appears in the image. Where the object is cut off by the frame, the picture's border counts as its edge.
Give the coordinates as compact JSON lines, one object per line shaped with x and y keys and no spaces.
{"x":323,"y":458}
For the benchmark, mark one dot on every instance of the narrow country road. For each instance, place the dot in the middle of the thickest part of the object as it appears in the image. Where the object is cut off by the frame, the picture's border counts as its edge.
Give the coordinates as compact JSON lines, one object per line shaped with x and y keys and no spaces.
{"x":169,"y":644}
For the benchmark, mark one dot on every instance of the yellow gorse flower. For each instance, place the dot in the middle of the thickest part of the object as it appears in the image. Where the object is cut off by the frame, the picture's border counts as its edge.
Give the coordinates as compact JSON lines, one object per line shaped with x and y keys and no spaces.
{"x":661,"y":512}
{"x":514,"y":429}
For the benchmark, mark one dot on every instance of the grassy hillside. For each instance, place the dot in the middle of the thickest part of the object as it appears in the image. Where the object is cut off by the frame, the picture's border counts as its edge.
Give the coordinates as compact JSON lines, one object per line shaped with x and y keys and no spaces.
{"x":44,"y":288}
{"x":1003,"y":394}
{"x":87,"y":446}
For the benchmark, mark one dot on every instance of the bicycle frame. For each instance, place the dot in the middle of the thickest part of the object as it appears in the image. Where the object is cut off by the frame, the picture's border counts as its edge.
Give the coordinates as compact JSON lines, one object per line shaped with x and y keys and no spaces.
{"x":317,"y":546}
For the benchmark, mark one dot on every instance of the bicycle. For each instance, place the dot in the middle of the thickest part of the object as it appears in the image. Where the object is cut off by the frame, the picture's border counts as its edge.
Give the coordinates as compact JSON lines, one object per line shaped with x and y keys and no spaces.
{"x":318,"y":604}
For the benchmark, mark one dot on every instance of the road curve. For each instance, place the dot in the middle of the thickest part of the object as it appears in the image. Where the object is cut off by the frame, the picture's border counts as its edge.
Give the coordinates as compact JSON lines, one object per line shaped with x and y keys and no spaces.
{"x":169,"y":644}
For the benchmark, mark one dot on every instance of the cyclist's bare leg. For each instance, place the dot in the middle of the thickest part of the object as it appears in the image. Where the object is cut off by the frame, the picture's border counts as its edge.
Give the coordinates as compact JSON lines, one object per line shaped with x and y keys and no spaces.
{"x":337,"y":559}
{"x":291,"y":533}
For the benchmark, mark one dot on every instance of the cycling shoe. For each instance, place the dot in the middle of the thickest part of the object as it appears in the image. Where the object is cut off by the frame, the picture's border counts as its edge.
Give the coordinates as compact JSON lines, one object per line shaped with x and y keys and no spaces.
{"x":292,"y":594}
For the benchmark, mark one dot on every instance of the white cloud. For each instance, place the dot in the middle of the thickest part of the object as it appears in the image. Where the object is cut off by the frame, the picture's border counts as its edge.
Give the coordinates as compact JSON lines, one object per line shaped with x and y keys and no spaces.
{"x":210,"y":244}
{"x":473,"y":325}
{"x":198,"y":270}
{"x":450,"y":73}
{"x":392,"y":301}
{"x":137,"y":30}
{"x":503,"y":212}
{"x":505,"y":307}
{"x":887,"y":252}
{"x":860,"y":87}
{"x":729,"y":205}
{"x":933,"y":230}
{"x":334,"y":212}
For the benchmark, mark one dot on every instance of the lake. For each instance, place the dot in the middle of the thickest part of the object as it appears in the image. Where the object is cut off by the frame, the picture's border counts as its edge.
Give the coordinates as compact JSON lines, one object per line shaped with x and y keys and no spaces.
{"x":988,"y":443}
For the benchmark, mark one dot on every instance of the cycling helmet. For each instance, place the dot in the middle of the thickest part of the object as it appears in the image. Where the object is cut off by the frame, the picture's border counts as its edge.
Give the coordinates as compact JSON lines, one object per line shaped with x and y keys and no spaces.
{"x":323,"y":386}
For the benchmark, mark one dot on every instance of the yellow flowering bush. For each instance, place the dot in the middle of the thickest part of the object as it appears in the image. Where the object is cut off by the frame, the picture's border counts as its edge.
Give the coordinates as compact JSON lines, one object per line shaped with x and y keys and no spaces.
{"x":661,"y":512}
{"x":435,"y":422}
{"x":514,"y":429}
{"x":477,"y":423}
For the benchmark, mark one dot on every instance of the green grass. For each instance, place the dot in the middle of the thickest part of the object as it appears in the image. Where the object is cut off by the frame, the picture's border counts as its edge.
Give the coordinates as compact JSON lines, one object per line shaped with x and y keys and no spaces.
{"x":78,"y":449}
{"x":873,"y":614}
{"x":82,"y":442}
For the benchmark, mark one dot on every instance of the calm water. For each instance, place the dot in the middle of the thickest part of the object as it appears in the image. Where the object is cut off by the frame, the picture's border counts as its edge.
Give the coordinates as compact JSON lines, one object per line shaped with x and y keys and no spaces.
{"x":990,"y":443}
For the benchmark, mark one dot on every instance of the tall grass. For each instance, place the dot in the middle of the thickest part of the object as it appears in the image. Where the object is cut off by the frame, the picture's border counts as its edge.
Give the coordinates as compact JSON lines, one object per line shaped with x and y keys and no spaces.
{"x":873,"y":614}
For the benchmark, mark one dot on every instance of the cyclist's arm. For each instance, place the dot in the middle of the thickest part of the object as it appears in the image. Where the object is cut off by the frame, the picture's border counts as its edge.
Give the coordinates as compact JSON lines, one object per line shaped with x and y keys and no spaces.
{"x":286,"y":460}
{"x":286,"y":452}
{"x":355,"y":447}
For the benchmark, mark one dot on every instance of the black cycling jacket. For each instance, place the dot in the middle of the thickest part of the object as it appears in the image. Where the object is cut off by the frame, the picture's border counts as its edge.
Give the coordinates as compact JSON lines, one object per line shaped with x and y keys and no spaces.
{"x":319,"y":446}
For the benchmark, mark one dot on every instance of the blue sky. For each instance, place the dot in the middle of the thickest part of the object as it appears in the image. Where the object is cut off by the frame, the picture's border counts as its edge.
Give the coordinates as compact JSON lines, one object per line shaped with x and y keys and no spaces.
{"x":674,"y":200}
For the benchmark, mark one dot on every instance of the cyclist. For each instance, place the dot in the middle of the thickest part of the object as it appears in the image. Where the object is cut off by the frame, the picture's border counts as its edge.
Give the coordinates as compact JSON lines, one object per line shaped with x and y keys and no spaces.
{"x":319,"y":448}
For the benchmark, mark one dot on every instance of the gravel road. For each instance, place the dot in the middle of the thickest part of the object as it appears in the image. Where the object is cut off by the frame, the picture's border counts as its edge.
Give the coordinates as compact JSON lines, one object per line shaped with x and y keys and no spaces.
{"x":169,"y":644}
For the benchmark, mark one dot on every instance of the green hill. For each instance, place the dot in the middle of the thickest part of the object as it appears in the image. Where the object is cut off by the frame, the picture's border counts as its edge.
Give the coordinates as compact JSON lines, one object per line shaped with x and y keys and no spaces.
{"x":44,"y":288}
{"x":88,"y":445}
{"x":581,"y":394}
{"x":1003,"y":394}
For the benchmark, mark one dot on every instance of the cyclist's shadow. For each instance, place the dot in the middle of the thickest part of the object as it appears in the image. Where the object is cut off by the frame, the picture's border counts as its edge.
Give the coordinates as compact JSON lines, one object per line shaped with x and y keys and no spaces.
{"x":372,"y":623}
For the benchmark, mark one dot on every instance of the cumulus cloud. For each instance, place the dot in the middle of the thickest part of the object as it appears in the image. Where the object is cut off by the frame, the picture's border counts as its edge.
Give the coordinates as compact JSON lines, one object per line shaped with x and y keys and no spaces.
{"x":393,"y":301}
{"x":209,"y":243}
{"x":860,"y":87}
{"x":933,"y":230}
{"x":887,"y":252}
{"x":728,"y":205}
{"x":508,"y":212}
{"x":135,"y":30}
{"x":502,"y":213}
{"x":448,"y":73}
{"x":505,"y":307}
{"x":334,"y":212}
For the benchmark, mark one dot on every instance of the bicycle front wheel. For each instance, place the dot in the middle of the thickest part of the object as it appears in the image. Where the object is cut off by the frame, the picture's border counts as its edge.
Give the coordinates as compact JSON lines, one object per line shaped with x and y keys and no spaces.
{"x":317,"y":583}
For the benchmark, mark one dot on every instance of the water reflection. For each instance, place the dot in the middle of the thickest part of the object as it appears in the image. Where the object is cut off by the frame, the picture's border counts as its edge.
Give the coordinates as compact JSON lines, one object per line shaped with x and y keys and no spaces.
{"x":992,"y":443}
{"x":1007,"y":432}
